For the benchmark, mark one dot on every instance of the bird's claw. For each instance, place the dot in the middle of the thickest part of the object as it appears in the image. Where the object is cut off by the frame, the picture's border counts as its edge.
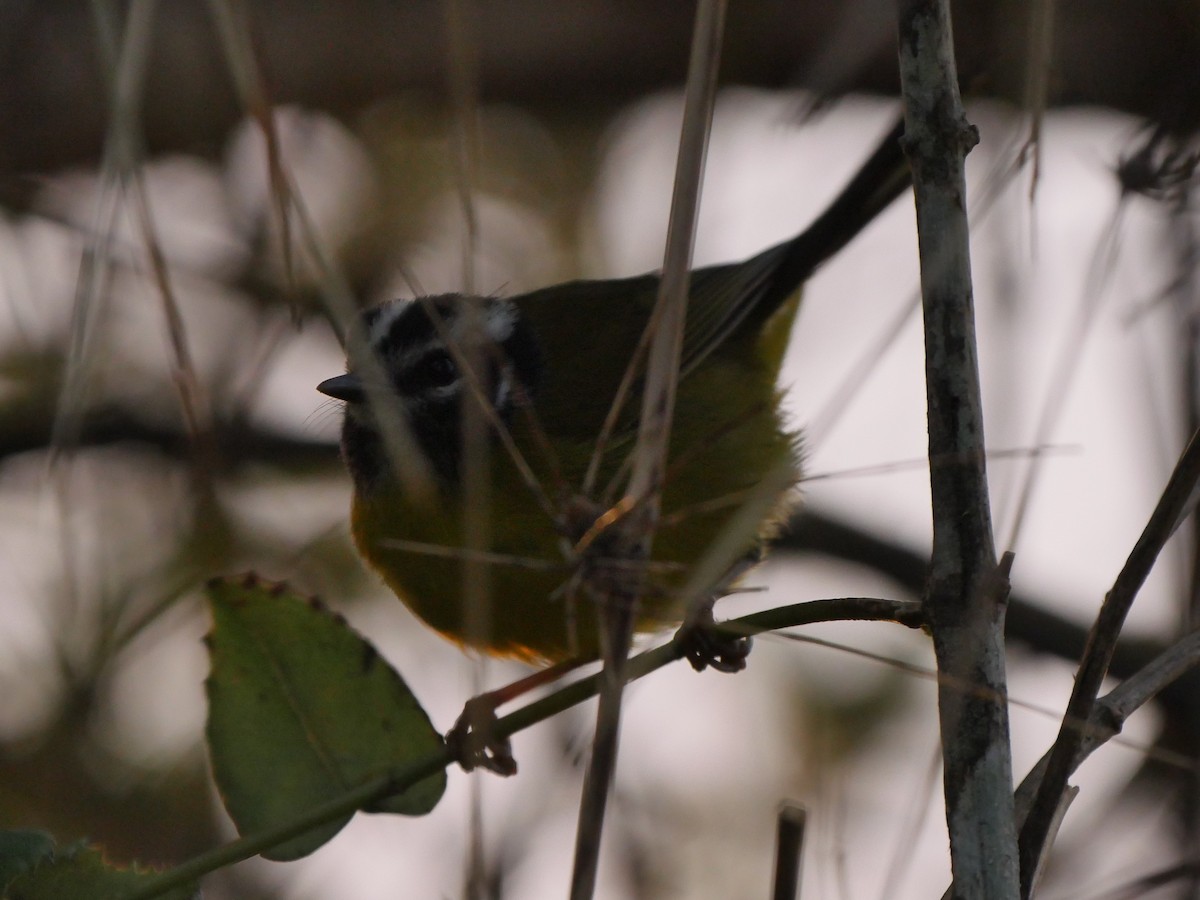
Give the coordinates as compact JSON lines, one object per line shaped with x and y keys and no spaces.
{"x":703,"y":645}
{"x":474,"y":742}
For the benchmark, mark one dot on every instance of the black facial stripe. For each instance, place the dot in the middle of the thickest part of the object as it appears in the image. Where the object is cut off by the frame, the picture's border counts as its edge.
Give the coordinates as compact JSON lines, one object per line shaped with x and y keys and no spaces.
{"x":413,"y":327}
{"x":428,"y":382}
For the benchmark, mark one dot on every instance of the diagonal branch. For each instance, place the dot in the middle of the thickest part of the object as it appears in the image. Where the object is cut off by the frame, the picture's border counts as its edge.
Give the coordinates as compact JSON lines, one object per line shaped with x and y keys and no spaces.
{"x":1107,"y":718}
{"x":363,"y":796}
{"x":1173,"y":506}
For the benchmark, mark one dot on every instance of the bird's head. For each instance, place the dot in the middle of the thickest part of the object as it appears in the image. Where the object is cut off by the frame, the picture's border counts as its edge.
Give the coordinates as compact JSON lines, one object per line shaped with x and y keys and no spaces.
{"x":421,"y":346}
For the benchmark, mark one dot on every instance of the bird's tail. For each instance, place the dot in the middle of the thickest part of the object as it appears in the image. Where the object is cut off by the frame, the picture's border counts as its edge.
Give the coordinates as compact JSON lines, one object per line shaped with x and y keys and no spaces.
{"x":880,"y":180}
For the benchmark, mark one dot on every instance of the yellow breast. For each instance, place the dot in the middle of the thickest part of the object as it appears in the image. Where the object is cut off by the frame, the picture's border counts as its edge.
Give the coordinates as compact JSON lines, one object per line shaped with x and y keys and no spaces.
{"x":728,"y":434}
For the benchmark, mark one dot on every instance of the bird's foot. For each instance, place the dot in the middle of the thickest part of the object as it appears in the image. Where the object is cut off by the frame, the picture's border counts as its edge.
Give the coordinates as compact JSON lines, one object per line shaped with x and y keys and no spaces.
{"x":474,"y":742}
{"x":473,"y":738}
{"x":704,"y":645}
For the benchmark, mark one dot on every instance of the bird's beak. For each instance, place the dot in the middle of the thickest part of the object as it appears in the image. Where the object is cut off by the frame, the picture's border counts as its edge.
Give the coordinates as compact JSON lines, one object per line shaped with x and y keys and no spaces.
{"x":346,"y":387}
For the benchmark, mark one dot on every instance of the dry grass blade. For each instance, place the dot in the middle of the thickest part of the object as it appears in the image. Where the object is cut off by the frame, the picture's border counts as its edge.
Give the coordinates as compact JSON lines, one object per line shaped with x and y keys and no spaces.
{"x":1104,"y":725}
{"x":919,"y":809}
{"x":820,"y":426}
{"x":124,"y":60}
{"x":662,"y":365}
{"x":721,"y":556}
{"x":620,"y":398}
{"x":482,"y":556}
{"x":125,"y":63}
{"x":654,"y":432}
{"x":983,"y":204}
{"x":904,"y":465}
{"x":1037,"y":83}
{"x":410,"y":466}
{"x":476,"y":455}
{"x":1067,"y":365}
{"x":233,"y":27}
{"x":127,"y":89}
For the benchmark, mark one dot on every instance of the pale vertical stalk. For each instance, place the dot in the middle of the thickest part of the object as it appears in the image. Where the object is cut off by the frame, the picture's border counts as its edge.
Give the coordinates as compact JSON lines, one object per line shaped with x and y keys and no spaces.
{"x":1037,"y":82}
{"x":476,"y":484}
{"x":966,"y":593}
{"x":620,"y":608}
{"x":408,"y":463}
{"x":125,"y":50}
{"x":476,"y":459}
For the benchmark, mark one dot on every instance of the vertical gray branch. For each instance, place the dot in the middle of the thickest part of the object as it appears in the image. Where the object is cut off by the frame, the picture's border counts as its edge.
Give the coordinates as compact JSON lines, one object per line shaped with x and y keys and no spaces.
{"x":966,"y":592}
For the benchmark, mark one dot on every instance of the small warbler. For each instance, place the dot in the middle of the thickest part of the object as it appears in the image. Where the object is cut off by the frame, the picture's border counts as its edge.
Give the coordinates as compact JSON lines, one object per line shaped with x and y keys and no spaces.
{"x":551,"y":363}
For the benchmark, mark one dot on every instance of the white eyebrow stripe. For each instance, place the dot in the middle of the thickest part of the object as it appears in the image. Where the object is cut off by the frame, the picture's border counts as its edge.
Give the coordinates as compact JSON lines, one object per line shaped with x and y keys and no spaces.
{"x":501,"y":320}
{"x":382,"y":325}
{"x":499,"y":323}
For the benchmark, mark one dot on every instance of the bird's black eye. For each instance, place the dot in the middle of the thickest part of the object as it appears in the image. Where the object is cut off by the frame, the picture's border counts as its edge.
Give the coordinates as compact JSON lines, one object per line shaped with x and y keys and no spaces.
{"x":439,"y":369}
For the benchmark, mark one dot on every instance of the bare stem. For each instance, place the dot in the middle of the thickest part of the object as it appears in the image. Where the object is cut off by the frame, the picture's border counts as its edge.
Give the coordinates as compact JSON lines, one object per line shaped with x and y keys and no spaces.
{"x":839,"y":609}
{"x":966,"y":592}
{"x":1173,"y":506}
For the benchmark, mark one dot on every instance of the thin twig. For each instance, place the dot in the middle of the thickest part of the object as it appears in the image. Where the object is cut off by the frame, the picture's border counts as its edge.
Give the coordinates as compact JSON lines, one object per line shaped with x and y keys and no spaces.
{"x":1172,"y":507}
{"x":1108,"y":717}
{"x":1111,"y":711}
{"x":789,"y":851}
{"x":840,"y":609}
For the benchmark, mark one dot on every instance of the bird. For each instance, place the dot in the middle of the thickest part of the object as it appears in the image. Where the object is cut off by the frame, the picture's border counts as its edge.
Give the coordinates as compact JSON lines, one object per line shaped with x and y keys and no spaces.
{"x":550,"y":364}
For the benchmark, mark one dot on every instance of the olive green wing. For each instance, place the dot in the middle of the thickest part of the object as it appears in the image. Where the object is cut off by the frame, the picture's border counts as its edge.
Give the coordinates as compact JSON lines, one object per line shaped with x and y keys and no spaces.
{"x":589,"y":330}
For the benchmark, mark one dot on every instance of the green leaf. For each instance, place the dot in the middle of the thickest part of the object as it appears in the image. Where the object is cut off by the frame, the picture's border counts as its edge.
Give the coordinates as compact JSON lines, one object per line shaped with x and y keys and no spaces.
{"x":301,"y":709}
{"x":76,"y":873}
{"x":21,"y":850}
